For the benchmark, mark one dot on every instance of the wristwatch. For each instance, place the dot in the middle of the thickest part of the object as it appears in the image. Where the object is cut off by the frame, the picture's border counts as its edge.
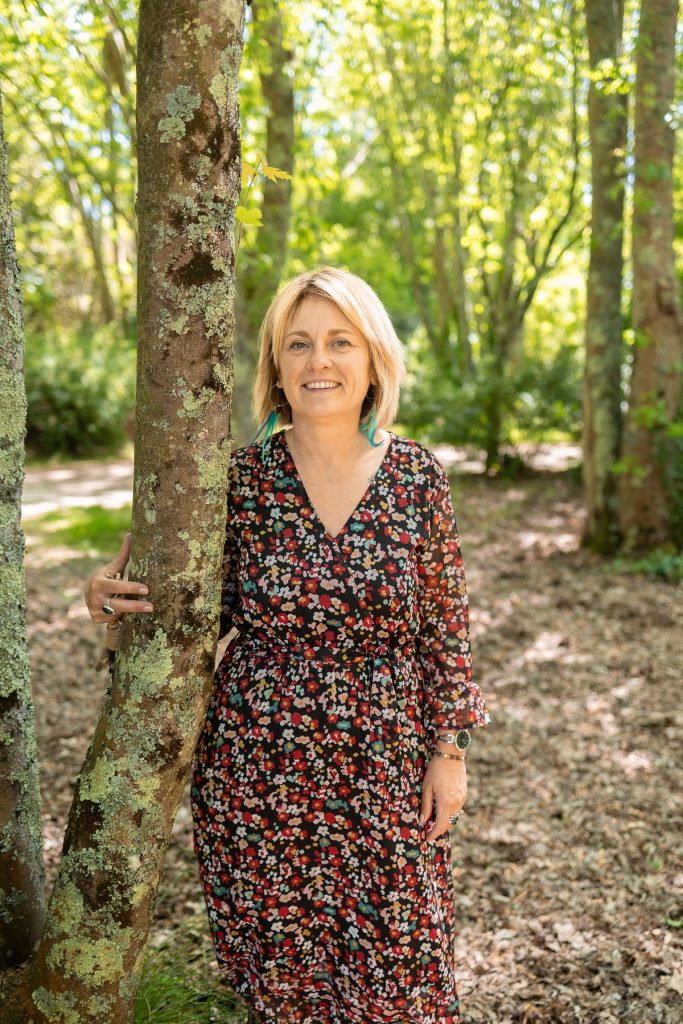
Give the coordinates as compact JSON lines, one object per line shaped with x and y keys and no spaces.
{"x":462,"y":738}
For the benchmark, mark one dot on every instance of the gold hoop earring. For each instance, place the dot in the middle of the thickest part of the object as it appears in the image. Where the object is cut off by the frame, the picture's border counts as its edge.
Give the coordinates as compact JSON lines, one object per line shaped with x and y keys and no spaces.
{"x":270,"y":395}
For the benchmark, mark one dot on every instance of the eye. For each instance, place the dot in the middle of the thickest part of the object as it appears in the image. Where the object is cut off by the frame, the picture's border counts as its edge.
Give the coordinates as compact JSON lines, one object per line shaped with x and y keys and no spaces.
{"x":344,"y":341}
{"x":295,"y":343}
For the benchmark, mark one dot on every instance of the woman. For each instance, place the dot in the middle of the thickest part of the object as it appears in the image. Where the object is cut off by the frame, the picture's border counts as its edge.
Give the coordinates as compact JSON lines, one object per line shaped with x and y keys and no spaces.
{"x":331,"y":766}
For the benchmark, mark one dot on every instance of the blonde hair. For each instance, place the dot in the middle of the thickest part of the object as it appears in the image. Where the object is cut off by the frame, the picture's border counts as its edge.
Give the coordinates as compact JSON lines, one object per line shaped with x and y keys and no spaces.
{"x":362,"y":306}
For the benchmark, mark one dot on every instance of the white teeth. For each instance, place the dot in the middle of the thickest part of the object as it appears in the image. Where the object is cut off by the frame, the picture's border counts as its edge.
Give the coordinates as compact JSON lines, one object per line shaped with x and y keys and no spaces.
{"x":320,"y":387}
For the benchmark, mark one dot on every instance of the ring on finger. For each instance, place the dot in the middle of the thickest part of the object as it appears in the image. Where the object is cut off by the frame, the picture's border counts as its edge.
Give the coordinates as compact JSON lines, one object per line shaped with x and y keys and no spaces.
{"x":108,"y":609}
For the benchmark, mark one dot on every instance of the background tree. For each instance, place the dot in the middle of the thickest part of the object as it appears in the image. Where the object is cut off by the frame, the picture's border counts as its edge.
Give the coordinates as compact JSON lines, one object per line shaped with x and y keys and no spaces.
{"x":22,"y":876}
{"x":89,"y":961}
{"x":651,"y":492}
{"x":263,"y":261}
{"x":604,"y":355}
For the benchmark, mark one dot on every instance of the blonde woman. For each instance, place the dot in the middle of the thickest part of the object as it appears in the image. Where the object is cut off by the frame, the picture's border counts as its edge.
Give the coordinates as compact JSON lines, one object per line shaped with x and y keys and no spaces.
{"x":331,"y":765}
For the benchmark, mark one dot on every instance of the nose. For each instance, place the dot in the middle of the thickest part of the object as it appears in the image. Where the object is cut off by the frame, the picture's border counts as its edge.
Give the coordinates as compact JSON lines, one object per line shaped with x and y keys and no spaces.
{"x":318,"y":356}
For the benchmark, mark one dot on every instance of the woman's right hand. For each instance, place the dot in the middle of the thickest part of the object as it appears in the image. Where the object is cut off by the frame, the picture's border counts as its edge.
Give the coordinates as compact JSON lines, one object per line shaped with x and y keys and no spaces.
{"x":100,"y":587}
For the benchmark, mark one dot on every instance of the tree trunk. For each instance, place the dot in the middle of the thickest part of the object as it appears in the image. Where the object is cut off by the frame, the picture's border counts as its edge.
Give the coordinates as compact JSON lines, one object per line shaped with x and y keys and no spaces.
{"x":261,"y":271}
{"x":649,"y":503}
{"x":608,"y":121}
{"x":90,"y":959}
{"x":22,"y":875}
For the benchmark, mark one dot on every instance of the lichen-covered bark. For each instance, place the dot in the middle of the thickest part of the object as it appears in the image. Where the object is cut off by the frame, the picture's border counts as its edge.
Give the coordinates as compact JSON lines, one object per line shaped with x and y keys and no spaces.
{"x":89,"y":962}
{"x":650,"y":490}
{"x":261,"y":270}
{"x":608,"y":118}
{"x":22,"y":876}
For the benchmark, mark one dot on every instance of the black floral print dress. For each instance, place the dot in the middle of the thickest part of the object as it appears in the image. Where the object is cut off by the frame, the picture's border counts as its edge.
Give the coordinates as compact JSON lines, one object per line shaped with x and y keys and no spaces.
{"x":326,"y":904}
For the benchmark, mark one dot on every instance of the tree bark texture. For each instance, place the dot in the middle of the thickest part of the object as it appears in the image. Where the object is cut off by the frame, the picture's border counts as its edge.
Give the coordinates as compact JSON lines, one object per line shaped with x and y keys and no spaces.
{"x":89,"y":963}
{"x":651,"y":489}
{"x":608,"y":123}
{"x":22,"y":875}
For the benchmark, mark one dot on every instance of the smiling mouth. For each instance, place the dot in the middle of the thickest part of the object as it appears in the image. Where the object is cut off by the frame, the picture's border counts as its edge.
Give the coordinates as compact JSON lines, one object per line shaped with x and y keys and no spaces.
{"x":320,"y":387}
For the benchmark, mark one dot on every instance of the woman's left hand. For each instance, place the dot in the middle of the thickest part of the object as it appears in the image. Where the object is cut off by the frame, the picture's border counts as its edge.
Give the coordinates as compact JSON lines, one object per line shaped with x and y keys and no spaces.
{"x":445,"y":782}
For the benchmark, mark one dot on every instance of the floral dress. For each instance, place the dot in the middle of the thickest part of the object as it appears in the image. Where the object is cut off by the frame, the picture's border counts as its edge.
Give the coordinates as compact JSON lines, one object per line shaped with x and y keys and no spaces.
{"x":325,"y":902}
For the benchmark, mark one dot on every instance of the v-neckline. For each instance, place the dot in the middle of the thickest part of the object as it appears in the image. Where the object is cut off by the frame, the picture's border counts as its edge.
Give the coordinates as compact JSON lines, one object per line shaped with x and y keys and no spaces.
{"x":370,"y":488}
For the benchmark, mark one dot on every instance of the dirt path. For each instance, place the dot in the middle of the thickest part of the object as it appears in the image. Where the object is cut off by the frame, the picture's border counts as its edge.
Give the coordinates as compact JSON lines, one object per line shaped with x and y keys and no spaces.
{"x":569,"y":874}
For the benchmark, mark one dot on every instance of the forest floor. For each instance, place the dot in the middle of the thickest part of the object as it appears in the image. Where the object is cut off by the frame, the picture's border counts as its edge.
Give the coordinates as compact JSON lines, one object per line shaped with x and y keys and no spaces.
{"x":568,"y":859}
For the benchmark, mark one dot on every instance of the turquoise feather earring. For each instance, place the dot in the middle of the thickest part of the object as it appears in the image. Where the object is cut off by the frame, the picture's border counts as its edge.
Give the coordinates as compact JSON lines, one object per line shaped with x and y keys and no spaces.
{"x":269,"y":425}
{"x":369,"y":426}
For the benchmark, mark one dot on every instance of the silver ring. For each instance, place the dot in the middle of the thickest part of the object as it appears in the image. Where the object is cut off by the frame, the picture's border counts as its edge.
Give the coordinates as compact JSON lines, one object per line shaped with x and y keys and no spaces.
{"x":108,"y":609}
{"x":454,"y":817}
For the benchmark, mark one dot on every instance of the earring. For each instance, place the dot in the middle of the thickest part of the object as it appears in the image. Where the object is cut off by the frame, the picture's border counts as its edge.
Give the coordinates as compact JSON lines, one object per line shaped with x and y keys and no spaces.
{"x":269,"y":425}
{"x":369,"y":427}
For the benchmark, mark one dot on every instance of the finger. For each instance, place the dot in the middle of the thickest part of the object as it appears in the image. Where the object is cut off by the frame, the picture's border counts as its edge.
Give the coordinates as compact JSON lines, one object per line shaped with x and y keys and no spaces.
{"x":427,"y":801}
{"x":120,"y":560}
{"x":107,"y":587}
{"x":441,"y":825}
{"x":123,"y":606}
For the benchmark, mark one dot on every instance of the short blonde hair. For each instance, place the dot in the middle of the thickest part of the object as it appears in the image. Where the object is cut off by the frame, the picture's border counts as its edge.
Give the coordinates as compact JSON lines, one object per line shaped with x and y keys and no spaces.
{"x":362,"y":306}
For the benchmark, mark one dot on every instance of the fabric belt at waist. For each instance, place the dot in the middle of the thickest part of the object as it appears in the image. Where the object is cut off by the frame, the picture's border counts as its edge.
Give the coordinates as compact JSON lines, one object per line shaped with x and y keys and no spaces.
{"x":324,"y":653}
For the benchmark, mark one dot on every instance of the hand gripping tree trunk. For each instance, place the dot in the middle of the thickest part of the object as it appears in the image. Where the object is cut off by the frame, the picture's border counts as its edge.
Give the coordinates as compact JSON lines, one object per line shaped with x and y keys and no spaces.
{"x":22,"y":875}
{"x":607,"y":118}
{"x":90,"y":959}
{"x":650,"y":492}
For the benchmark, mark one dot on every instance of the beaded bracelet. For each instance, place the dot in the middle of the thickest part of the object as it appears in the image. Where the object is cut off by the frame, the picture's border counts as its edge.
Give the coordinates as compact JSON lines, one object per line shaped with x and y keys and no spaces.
{"x":451,"y":757}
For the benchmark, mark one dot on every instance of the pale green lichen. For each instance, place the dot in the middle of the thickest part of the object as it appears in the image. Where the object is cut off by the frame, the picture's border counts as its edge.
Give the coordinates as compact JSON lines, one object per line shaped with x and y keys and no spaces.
{"x":148,"y":667}
{"x":68,"y":909}
{"x":10,"y":901}
{"x":147,"y":789}
{"x":219,"y":90}
{"x":203,"y":166}
{"x":224,"y":85}
{"x":189,"y":573}
{"x":57,"y":1007}
{"x":214,"y":469}
{"x":203,"y":33}
{"x":140,"y":891}
{"x":150,"y":515}
{"x":97,"y":784}
{"x":179,"y":325}
{"x":194,"y":406}
{"x":181,"y":106}
{"x":94,"y":961}
{"x":12,"y":404}
{"x":224,"y":377}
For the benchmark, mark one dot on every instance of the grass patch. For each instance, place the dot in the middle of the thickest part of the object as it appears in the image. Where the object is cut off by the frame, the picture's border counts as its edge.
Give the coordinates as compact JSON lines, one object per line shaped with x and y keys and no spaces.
{"x":94,"y":530}
{"x":180,"y":986}
{"x":660,"y":564}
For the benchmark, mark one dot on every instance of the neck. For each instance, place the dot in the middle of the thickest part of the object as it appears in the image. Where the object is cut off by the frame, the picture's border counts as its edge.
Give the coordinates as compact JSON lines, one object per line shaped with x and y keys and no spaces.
{"x":332,"y":441}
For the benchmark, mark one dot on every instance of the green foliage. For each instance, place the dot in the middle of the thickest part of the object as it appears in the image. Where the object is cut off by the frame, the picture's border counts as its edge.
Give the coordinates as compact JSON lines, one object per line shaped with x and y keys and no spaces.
{"x":91,"y":529}
{"x":671,"y":454}
{"x":542,"y":394}
{"x":79,"y":389}
{"x":660,"y":563}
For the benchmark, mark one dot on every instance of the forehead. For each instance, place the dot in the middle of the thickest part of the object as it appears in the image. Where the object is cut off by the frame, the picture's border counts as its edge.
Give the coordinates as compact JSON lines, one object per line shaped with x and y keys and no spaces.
{"x":318,"y":312}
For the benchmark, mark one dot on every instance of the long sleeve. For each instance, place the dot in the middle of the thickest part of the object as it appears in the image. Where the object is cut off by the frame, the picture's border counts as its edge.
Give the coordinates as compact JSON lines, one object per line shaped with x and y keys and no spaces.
{"x":443,"y":642}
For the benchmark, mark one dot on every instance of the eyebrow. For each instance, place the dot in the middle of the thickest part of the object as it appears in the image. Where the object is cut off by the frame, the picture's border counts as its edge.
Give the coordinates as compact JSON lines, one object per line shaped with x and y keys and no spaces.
{"x":335,"y":330}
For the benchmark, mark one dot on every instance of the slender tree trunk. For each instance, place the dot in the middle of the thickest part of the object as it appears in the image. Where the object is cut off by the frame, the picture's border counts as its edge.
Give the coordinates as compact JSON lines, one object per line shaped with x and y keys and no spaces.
{"x":88,"y":966}
{"x":22,"y":875}
{"x":608,"y":118}
{"x":649,"y":503}
{"x":261,"y":271}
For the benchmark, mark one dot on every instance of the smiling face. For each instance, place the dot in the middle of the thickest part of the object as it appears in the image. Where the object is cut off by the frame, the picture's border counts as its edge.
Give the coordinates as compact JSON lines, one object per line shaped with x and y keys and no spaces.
{"x":324,"y":365}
